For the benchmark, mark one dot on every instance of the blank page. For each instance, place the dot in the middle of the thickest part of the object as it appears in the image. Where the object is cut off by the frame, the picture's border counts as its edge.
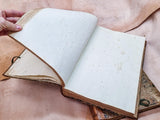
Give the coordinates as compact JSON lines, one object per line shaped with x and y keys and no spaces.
{"x":109,"y":69}
{"x":58,"y":37}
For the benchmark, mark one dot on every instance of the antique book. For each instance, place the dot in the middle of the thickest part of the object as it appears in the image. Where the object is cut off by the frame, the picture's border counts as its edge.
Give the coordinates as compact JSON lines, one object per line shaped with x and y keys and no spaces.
{"x":91,"y":63}
{"x":149,"y":99}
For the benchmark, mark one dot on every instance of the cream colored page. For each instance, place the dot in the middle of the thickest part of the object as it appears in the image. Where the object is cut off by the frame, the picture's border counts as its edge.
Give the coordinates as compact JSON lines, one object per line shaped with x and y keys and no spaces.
{"x":58,"y":37}
{"x":109,"y":69}
{"x":30,"y":66}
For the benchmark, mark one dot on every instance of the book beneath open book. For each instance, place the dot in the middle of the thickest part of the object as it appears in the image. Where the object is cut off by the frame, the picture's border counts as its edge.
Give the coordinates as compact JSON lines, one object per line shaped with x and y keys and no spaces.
{"x":91,"y":63}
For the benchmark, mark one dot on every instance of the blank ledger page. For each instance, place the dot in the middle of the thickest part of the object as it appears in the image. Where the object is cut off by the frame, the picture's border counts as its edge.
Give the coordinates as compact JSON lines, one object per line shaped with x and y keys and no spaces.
{"x":109,"y":69}
{"x":58,"y":37}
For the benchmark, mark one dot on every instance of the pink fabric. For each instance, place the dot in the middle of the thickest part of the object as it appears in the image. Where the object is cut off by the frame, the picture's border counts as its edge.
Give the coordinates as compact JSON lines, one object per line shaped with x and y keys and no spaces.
{"x":121,"y":15}
{"x":148,"y":115}
{"x":151,"y":30}
{"x":22,"y":99}
{"x":32,"y":100}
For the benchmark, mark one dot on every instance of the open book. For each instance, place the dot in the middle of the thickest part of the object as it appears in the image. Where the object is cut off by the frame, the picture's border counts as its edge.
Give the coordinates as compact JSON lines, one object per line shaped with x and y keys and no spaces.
{"x":91,"y":63}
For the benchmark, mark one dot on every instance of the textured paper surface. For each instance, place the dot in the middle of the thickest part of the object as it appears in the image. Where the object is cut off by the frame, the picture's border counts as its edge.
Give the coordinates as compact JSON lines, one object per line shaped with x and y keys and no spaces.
{"x":58,"y":37}
{"x":149,"y":99}
{"x":109,"y":69}
{"x":110,"y":58}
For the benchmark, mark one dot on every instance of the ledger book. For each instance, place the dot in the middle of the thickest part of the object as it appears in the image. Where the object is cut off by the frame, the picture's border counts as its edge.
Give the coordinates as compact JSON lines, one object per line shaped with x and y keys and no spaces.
{"x":93,"y":64}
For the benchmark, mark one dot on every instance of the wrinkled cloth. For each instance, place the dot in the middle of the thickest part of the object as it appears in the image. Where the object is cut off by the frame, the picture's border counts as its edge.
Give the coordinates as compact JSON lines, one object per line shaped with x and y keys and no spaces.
{"x":151,"y":29}
{"x":30,"y":100}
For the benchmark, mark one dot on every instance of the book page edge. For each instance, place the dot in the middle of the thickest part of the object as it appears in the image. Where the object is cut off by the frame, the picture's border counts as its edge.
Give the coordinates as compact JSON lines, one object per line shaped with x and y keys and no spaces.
{"x":139,"y":86}
{"x":62,"y":82}
{"x":22,"y":21}
{"x":89,"y":101}
{"x":26,"y":17}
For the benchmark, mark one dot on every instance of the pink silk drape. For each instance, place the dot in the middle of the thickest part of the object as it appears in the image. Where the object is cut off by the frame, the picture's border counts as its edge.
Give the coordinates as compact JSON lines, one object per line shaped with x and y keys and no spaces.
{"x":29,"y":100}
